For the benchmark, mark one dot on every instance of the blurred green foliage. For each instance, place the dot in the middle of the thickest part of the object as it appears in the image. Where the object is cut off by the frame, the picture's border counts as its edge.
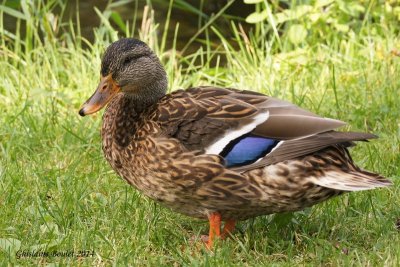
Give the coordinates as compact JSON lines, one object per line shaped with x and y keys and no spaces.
{"x":306,"y":21}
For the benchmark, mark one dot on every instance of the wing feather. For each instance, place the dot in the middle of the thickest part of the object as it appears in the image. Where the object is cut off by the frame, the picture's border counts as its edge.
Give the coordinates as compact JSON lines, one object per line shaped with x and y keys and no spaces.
{"x":291,"y":149}
{"x":202,"y":118}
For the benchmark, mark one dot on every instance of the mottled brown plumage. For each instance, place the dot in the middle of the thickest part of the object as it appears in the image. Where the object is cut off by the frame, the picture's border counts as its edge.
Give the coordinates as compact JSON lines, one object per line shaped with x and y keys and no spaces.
{"x":179,"y":149}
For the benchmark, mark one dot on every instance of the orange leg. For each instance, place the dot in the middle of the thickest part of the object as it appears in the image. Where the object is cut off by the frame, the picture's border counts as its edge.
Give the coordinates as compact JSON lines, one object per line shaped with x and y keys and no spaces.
{"x":228,"y":228}
{"x":215,"y":228}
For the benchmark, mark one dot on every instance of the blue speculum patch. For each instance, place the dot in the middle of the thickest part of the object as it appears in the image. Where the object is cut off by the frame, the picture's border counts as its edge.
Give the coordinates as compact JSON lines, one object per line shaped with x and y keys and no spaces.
{"x":247,"y":149}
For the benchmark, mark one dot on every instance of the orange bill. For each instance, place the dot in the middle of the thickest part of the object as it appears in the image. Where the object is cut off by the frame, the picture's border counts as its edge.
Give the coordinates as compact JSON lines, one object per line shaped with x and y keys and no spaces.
{"x":106,"y":89}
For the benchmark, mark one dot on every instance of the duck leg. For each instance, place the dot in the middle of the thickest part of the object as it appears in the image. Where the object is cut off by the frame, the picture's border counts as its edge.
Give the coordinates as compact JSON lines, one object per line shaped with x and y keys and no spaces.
{"x":215,"y":228}
{"x":228,"y":228}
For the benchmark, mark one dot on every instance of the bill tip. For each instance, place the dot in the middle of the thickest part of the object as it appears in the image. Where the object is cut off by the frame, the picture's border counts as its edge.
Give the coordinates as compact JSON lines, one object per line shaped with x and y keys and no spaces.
{"x":82,"y":112}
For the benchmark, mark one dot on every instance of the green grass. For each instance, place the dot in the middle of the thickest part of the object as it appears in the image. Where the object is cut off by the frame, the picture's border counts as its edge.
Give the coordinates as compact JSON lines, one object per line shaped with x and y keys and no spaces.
{"x":57,"y":192}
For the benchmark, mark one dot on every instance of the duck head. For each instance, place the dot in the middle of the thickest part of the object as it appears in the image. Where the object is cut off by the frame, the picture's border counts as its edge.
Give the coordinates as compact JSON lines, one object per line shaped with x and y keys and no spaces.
{"x":131,"y":68}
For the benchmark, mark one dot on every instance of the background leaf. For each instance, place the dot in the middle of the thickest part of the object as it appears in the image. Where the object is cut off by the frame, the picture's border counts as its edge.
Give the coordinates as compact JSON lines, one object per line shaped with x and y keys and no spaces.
{"x":297,"y":34}
{"x":257,"y":17}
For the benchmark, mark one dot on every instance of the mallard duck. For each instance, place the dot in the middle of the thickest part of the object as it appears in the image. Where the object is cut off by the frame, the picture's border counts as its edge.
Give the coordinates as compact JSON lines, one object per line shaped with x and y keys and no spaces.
{"x":218,"y":154}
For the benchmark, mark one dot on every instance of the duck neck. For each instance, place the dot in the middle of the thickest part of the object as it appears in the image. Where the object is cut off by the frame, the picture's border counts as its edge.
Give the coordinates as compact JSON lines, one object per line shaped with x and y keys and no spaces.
{"x":123,"y":115}
{"x":147,"y":96}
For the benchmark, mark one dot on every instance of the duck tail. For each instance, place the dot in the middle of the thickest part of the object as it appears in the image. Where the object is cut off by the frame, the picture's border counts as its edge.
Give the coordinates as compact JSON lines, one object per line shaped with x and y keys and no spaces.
{"x":352,"y":180}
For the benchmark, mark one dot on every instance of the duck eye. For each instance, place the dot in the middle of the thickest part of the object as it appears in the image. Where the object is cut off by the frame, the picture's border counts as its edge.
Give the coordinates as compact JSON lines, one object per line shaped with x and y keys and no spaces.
{"x":130,"y":58}
{"x":127,"y":60}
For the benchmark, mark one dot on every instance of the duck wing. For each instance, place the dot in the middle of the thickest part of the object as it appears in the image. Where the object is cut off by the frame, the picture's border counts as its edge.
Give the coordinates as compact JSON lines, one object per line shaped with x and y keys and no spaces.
{"x":248,"y":129}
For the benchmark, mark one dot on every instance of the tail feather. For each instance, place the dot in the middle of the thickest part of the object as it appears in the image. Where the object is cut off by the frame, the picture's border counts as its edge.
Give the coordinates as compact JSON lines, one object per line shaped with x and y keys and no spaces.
{"x":352,"y":181}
